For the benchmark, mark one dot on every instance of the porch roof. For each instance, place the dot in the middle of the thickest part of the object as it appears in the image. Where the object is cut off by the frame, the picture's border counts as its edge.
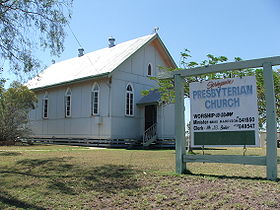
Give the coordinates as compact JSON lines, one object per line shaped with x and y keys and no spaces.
{"x":152,"y":98}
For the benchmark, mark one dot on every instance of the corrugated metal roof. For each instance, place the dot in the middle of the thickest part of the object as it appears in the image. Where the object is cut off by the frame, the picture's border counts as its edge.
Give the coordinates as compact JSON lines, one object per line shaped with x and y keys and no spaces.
{"x":91,"y":64}
{"x":152,"y":98}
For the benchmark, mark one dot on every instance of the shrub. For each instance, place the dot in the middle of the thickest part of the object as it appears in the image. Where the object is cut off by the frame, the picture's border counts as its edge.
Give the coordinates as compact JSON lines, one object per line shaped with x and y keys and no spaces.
{"x":15,"y":104}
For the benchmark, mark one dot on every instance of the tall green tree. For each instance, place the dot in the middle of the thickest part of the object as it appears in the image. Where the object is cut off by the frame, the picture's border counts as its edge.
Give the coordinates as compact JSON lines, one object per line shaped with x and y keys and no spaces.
{"x":15,"y":104}
{"x":166,"y":87}
{"x":29,"y":24}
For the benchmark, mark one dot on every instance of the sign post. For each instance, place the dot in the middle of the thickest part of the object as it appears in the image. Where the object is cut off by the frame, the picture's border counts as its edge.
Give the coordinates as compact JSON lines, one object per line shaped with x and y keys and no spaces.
{"x":271,"y":128}
{"x":180,"y":125}
{"x":270,"y":160}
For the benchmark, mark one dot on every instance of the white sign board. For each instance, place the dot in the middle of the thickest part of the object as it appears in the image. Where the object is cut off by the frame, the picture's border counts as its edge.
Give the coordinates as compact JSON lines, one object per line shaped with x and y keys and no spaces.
{"x":224,"y":112}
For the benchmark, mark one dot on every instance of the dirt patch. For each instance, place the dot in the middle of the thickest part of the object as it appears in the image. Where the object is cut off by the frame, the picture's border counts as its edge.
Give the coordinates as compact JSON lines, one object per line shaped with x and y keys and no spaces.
{"x":191,"y":192}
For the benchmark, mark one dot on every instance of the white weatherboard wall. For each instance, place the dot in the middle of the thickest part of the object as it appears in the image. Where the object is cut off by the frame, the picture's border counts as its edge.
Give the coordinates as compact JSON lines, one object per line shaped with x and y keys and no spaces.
{"x":166,"y":121}
{"x":133,"y":71}
{"x":81,"y":123}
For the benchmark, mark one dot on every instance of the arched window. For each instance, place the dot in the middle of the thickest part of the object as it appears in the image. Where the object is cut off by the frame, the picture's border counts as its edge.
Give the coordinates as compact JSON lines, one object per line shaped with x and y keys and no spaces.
{"x":95,"y":99}
{"x":68,"y":94}
{"x":45,"y":105}
{"x":149,"y":70}
{"x":129,"y":99}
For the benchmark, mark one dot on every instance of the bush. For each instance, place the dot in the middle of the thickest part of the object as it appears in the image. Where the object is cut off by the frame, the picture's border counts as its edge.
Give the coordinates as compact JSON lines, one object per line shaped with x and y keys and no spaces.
{"x":15,"y":104}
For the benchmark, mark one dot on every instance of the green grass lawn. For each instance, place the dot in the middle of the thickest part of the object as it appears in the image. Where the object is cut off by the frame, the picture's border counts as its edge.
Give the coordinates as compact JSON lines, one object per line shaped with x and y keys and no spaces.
{"x":65,"y":177}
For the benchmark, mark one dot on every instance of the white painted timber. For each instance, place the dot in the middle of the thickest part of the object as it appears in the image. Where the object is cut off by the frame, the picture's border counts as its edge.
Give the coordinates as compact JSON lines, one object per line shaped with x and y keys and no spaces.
{"x":254,"y":63}
{"x":180,"y":125}
{"x":266,"y":63}
{"x":271,"y":128}
{"x":126,"y":63}
{"x":232,"y":159}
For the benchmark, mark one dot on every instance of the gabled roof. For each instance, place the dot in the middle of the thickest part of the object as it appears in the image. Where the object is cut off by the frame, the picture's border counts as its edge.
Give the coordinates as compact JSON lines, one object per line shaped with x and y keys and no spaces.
{"x":95,"y":64}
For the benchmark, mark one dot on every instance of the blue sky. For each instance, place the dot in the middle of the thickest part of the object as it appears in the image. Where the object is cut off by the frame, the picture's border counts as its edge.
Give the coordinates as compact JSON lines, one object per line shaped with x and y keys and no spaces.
{"x":245,"y":28}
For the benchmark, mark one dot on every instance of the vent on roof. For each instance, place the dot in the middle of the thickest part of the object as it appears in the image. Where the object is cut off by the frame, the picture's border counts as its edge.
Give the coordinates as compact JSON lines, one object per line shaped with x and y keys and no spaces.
{"x":111,"y":41}
{"x":81,"y":52}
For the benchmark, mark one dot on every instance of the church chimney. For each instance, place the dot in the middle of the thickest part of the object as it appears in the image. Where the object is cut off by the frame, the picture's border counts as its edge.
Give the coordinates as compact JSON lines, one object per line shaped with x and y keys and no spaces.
{"x":81,"y":52}
{"x":111,"y":41}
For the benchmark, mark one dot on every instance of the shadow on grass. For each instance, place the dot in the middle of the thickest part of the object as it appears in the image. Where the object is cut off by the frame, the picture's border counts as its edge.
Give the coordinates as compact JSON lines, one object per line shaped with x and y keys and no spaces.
{"x":10,"y":153}
{"x":226,"y":177}
{"x":112,"y":178}
{"x":7,"y":199}
{"x":33,"y":163}
{"x":59,"y":176}
{"x":61,"y":187}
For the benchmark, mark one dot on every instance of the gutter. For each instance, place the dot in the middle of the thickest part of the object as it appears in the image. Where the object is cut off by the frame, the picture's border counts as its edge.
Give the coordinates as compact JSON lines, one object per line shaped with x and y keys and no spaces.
{"x":74,"y":81}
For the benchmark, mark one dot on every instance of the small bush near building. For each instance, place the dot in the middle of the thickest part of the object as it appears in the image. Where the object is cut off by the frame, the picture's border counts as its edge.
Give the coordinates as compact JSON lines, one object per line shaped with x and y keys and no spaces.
{"x":15,"y":104}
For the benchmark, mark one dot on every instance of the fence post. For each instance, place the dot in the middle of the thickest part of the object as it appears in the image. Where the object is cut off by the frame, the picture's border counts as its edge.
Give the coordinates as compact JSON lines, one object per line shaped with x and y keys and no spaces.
{"x":271,"y":129}
{"x":180,"y":124}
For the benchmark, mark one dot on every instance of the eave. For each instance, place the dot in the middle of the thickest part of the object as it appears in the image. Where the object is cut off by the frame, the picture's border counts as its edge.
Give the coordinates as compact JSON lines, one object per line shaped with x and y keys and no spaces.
{"x":159,"y":45}
{"x":75,"y":81}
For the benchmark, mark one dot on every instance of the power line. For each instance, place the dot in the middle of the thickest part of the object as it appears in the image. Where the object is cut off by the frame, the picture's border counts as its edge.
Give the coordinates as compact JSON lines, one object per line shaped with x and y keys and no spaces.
{"x":74,"y":36}
{"x":80,"y":45}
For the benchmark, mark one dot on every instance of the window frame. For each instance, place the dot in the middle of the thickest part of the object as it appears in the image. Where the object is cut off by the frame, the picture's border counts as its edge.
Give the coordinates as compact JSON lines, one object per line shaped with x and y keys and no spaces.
{"x":151,"y":69}
{"x":68,"y":94}
{"x":45,"y":110}
{"x":129,"y":101}
{"x":93,"y":97}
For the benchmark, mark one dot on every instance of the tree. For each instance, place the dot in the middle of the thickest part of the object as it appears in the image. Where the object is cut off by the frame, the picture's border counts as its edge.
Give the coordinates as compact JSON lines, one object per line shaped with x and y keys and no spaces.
{"x":261,"y":96}
{"x":166,"y":87}
{"x":26,"y":24}
{"x":2,"y":82}
{"x":15,"y":104}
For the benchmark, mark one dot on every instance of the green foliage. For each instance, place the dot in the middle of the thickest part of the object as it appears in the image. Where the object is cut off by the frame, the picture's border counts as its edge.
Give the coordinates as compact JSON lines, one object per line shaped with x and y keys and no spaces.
{"x":15,"y":104}
{"x":261,"y":97}
{"x":166,"y":87}
{"x":23,"y":22}
{"x":2,"y":82}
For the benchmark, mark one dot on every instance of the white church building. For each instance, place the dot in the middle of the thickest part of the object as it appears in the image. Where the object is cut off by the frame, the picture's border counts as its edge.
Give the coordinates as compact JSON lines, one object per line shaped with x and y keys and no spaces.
{"x":97,"y":96}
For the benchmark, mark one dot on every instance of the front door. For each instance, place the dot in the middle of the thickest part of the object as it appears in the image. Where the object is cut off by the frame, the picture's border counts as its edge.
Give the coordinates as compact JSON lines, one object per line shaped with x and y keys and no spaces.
{"x":150,"y":115}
